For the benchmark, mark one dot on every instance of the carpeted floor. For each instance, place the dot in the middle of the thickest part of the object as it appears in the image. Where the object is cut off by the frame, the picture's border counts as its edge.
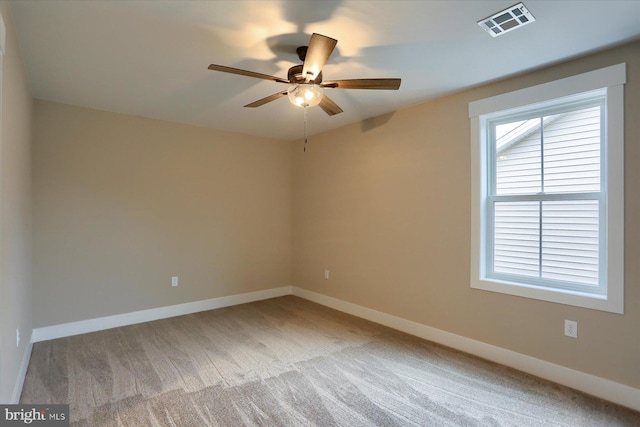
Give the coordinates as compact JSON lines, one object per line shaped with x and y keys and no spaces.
{"x":290,"y":362}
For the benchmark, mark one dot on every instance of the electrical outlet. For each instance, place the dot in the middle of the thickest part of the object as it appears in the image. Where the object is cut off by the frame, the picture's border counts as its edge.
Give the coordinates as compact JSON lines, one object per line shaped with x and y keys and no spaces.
{"x":17,"y":337}
{"x":326,"y":274}
{"x":174,"y":281}
{"x":571,"y":328}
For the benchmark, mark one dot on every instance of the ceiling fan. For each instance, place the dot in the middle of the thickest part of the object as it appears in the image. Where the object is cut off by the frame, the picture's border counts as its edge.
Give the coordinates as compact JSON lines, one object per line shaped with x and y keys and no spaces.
{"x":305,"y":81}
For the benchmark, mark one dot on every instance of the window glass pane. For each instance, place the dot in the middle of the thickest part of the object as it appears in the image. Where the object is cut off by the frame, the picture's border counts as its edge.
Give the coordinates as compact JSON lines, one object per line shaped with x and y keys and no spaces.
{"x":518,"y":157}
{"x":517,"y":238}
{"x":570,"y":241}
{"x":572,"y":151}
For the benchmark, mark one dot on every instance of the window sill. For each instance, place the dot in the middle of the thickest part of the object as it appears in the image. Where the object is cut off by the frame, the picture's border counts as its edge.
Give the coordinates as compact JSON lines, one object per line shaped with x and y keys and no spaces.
{"x":559,"y":296}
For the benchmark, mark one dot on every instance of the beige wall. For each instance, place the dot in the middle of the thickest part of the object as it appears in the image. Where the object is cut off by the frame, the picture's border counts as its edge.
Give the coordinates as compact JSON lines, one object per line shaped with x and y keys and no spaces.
{"x":122,"y":204}
{"x":385,"y":206}
{"x":15,"y":214}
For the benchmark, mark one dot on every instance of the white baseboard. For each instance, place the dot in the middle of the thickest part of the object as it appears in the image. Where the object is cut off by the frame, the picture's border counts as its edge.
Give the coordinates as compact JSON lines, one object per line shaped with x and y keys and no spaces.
{"x":587,"y":383}
{"x":102,"y":323}
{"x":22,"y":373}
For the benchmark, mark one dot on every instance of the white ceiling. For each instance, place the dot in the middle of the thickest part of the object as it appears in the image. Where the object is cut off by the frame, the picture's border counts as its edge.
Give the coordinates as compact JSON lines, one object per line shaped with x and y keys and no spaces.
{"x":150,"y":58}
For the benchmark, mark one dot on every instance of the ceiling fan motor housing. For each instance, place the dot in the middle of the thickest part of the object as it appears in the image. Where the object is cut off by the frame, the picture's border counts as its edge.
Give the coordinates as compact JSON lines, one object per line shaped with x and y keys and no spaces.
{"x":295,"y":75}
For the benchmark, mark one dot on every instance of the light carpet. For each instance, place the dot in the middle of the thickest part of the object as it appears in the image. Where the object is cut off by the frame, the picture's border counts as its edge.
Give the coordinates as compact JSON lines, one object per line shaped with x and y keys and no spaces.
{"x":290,"y":362}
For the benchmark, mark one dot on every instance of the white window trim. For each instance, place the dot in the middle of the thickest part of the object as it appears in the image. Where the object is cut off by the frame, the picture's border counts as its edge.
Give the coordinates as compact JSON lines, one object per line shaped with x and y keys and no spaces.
{"x":612,"y":79}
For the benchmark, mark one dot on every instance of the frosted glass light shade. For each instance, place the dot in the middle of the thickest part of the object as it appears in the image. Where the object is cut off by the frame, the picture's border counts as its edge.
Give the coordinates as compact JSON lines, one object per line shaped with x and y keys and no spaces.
{"x":305,"y":94}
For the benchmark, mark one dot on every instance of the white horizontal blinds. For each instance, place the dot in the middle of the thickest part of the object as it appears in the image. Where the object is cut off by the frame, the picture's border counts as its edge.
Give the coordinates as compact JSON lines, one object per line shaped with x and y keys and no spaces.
{"x":572,"y":152}
{"x":570,"y":251}
{"x":540,"y":159}
{"x":516,"y":246}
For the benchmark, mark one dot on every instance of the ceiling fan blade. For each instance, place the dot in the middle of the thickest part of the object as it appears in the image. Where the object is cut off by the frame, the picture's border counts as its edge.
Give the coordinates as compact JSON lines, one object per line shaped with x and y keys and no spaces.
{"x":329,"y":107}
{"x":320,"y":48}
{"x":380,"y":84}
{"x":264,"y":100}
{"x":238,"y":71}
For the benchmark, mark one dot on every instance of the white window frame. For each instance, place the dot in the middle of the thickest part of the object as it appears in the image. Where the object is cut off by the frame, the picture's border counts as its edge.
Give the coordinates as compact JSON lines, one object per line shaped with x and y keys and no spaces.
{"x":609,"y":81}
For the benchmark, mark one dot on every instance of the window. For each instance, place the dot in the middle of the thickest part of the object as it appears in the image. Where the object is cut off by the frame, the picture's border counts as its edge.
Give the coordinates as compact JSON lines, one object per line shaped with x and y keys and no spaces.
{"x":547,"y":191}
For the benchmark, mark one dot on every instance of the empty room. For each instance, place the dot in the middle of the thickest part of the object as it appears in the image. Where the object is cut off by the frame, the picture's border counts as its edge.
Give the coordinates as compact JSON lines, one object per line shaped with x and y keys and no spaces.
{"x":329,"y":213}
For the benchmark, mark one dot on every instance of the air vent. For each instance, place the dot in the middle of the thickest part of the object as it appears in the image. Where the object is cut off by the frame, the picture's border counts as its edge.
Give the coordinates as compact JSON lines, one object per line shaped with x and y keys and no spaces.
{"x":507,"y":20}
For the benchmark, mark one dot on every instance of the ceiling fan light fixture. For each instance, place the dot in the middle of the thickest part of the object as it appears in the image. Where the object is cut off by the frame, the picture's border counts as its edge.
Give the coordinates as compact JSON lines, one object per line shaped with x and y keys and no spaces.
{"x":305,"y":94}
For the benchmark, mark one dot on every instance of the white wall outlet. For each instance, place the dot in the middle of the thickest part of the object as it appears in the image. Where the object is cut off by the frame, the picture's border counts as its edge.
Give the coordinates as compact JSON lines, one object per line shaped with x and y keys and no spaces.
{"x":174,"y":281}
{"x":17,"y":337}
{"x":326,"y":274}
{"x":571,"y":328}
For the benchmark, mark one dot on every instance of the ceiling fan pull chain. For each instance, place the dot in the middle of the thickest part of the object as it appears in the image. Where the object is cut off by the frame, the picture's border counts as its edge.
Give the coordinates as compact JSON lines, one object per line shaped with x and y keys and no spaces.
{"x":305,"y":129}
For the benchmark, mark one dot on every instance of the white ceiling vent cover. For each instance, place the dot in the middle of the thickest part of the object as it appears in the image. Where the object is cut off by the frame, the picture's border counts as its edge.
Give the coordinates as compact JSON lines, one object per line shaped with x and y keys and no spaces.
{"x":506,"y":20}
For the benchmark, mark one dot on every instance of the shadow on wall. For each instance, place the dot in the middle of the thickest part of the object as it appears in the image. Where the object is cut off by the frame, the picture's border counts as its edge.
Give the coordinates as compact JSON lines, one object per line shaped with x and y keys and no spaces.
{"x":374,"y":122}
